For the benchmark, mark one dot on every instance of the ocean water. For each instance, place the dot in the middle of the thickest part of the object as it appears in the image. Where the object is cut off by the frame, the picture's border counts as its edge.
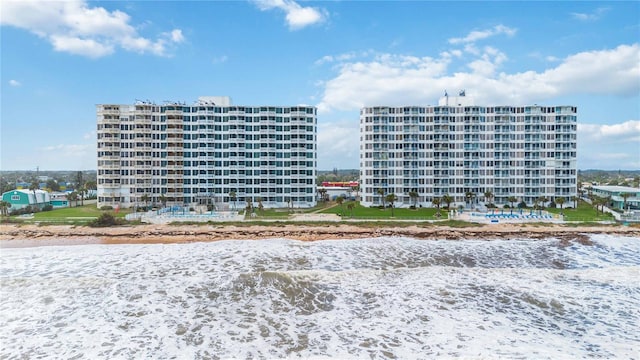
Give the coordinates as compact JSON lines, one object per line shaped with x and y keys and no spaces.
{"x":380,"y":298}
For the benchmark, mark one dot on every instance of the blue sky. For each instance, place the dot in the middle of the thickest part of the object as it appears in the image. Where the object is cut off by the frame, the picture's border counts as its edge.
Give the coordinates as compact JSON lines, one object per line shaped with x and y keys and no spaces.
{"x":60,"y":59}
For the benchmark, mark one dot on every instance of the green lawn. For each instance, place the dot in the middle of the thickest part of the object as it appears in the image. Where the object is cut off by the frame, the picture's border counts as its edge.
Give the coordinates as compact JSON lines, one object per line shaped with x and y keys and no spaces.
{"x":361,"y":212}
{"x":284,"y":213}
{"x":271,"y":213}
{"x":584,"y":212}
{"x":71,"y":215}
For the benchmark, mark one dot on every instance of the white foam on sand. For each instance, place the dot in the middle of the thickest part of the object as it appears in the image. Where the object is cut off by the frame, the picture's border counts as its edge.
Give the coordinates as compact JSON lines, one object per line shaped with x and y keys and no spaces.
{"x":384,"y":297}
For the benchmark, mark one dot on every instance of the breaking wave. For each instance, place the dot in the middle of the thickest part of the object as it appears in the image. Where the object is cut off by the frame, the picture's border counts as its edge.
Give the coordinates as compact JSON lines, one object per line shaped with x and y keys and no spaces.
{"x":372,"y":298}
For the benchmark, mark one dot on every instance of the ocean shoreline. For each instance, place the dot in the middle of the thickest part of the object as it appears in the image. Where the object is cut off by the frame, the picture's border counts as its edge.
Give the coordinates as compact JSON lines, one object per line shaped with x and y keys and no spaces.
{"x":12,"y":235}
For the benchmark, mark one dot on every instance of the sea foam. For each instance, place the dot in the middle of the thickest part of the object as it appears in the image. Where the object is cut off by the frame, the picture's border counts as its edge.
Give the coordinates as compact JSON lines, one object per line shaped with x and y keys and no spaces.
{"x":370,"y":298}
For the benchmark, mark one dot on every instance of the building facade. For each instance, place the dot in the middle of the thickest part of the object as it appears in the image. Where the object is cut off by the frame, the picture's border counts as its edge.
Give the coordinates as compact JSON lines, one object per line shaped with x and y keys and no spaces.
{"x":178,"y":154}
{"x":21,"y":198}
{"x":466,"y":151}
{"x":621,"y":197}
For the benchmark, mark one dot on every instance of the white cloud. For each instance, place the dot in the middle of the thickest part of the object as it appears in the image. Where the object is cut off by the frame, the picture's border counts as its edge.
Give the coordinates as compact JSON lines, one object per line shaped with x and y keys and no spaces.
{"x":628,"y":131}
{"x":613,"y":146}
{"x":90,"y":135}
{"x":342,"y":57}
{"x":386,"y":79}
{"x":483,"y":34}
{"x":85,"y":47}
{"x":597,"y":14}
{"x":337,"y":144}
{"x":76,"y":27}
{"x":15,"y":83}
{"x":176,"y":36}
{"x":69,"y":149}
{"x":399,"y":80}
{"x":220,"y":59}
{"x":297,"y":16}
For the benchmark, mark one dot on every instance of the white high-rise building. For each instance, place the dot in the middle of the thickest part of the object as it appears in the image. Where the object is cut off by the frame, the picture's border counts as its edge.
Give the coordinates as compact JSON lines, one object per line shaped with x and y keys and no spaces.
{"x":466,"y":151}
{"x":204,"y":153}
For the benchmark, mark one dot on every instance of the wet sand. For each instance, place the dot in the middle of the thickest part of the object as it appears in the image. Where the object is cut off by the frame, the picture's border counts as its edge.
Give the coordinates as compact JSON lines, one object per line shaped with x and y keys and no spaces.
{"x":12,"y":235}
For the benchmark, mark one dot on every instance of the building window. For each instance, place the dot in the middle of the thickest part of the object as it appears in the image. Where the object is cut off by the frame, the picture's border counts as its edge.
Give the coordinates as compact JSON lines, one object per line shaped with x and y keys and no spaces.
{"x":15,"y":197}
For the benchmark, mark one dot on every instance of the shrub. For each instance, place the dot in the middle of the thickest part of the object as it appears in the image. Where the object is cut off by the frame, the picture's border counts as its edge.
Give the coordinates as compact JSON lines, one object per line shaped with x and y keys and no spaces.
{"x":106,"y":207}
{"x":25,"y":210}
{"x":106,"y":220}
{"x":412,"y":207}
{"x":552,"y":205}
{"x":47,"y":207}
{"x":522,"y":205}
{"x":491,"y":206}
{"x":506,"y":206}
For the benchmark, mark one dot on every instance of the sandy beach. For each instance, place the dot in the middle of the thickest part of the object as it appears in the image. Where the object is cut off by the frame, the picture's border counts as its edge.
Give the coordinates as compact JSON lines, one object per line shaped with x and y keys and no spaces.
{"x":12,"y":235}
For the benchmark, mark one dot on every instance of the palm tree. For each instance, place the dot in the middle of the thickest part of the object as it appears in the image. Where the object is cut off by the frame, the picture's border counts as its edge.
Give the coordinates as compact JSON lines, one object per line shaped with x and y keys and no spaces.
{"x":447,"y":199}
{"x":543,"y":199}
{"x":512,"y":199}
{"x":71,"y":197}
{"x":163,"y":200}
{"x":560,"y":201}
{"x":82,"y":192}
{"x":4,"y":208}
{"x":35,"y":185}
{"x":323,"y":194}
{"x":350,"y":207}
{"x":91,"y":185}
{"x":380,"y":192}
{"x":249,"y":207}
{"x":597,"y":201}
{"x":79,"y":180}
{"x":575,"y":201}
{"x":488,"y":195}
{"x":436,"y":201}
{"x":145,"y":199}
{"x":357,"y":190}
{"x":233,"y":197}
{"x":340,"y":200}
{"x":414,"y":197}
{"x":625,"y":196}
{"x":469,"y":196}
{"x":580,"y":190}
{"x":391,"y":198}
{"x":260,"y":206}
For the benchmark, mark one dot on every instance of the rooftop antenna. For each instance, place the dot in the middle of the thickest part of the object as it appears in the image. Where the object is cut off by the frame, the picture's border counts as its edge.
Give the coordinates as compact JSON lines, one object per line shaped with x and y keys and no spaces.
{"x":446,"y":96}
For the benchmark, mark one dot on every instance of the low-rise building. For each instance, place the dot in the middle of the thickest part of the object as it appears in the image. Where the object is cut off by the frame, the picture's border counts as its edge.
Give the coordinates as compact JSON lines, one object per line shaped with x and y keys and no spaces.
{"x":21,"y":198}
{"x":617,"y":194}
{"x":59,"y":200}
